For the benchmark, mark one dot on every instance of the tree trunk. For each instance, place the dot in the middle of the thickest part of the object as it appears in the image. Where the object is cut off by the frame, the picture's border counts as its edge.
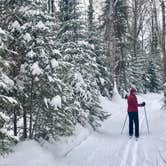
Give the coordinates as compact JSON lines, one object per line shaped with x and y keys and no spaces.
{"x":49,"y":6}
{"x":52,"y":6}
{"x":30,"y":112}
{"x":163,"y":40}
{"x":15,"y":120}
{"x":135,"y":9}
{"x":24,"y":120}
{"x":25,"y":124}
{"x":123,"y":67}
{"x":161,"y":34}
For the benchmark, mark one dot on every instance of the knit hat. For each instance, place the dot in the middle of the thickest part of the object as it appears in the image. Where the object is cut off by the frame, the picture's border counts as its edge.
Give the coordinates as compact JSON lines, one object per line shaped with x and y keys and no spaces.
{"x":132,"y":90}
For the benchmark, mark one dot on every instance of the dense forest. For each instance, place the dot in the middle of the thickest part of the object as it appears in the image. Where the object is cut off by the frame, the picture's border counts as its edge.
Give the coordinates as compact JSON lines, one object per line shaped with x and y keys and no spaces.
{"x":57,"y":59}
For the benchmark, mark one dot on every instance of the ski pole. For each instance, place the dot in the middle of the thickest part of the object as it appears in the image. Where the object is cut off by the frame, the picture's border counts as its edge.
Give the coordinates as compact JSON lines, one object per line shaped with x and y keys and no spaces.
{"x":146,"y":119}
{"x":124,"y":124}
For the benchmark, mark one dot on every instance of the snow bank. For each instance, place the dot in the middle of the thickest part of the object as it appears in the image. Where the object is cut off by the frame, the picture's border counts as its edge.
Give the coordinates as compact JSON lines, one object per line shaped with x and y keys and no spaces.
{"x":66,"y":145}
{"x":29,"y":153}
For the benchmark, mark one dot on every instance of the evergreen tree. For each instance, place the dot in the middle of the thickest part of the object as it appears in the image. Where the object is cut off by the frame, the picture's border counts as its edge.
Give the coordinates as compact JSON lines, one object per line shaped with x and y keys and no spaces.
{"x":98,"y":47}
{"x":38,"y":86}
{"x":153,"y":67}
{"x":120,"y":31}
{"x":152,"y":80}
{"x":137,"y":67}
{"x":7,"y":100}
{"x":81,"y":67}
{"x":114,"y":25}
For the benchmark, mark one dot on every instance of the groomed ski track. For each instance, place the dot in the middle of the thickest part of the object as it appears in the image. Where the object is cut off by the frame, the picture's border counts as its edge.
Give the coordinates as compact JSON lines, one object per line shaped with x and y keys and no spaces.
{"x":107,"y":147}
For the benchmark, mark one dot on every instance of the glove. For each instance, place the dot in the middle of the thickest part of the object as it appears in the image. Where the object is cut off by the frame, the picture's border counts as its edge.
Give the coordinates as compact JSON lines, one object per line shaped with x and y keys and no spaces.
{"x":142,"y":104}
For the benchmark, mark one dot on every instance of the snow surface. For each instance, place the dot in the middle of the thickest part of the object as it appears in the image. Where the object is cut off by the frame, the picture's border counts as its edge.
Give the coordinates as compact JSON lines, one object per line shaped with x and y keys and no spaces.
{"x":54,"y":63}
{"x":27,"y":37}
{"x":56,"y":102}
{"x":36,"y":70}
{"x":106,"y":147}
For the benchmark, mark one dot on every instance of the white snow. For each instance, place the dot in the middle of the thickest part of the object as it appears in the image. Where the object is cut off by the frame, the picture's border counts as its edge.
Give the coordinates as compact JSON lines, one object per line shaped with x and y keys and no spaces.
{"x":16,"y":26}
{"x":6,"y":118}
{"x":102,"y":81}
{"x":106,"y":146}
{"x":55,"y":51}
{"x":9,"y":99}
{"x":31,"y":54}
{"x":50,"y":78}
{"x":2,"y":31}
{"x":54,"y":63}
{"x":116,"y":96}
{"x":56,"y":102}
{"x":79,"y":82}
{"x":5,"y":81}
{"x":46,"y":102}
{"x":41,"y":25}
{"x":27,"y":37}
{"x":36,"y":70}
{"x":28,"y":153}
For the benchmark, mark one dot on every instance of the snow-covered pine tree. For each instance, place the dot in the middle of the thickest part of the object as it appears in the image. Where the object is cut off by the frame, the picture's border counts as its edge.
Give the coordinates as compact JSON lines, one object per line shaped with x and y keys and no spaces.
{"x":120,"y":31}
{"x":114,"y":24}
{"x":137,"y":51}
{"x":6,"y":88}
{"x":152,"y":75}
{"x":39,"y":88}
{"x":152,"y":83}
{"x":80,"y":68}
{"x":95,"y":38}
{"x":137,"y":67}
{"x":154,"y":60}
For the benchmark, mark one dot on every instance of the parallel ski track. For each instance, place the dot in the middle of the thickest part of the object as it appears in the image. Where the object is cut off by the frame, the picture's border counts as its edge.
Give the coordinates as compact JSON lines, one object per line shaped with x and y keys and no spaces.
{"x":130,"y":148}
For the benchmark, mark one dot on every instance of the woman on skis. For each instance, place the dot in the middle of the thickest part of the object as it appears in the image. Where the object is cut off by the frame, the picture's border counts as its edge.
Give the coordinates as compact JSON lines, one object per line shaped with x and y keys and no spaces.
{"x":133,"y":112}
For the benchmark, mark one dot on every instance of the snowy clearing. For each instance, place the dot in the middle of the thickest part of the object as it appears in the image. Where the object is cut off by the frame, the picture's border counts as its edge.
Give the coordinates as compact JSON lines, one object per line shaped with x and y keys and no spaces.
{"x":106,"y":147}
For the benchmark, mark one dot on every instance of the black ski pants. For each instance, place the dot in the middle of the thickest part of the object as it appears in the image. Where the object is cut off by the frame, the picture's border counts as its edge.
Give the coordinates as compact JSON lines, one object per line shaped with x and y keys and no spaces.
{"x":133,"y":118}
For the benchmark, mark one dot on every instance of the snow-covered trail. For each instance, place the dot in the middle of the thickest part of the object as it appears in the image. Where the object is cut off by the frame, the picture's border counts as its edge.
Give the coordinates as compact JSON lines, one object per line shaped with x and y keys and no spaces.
{"x":108,"y":147}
